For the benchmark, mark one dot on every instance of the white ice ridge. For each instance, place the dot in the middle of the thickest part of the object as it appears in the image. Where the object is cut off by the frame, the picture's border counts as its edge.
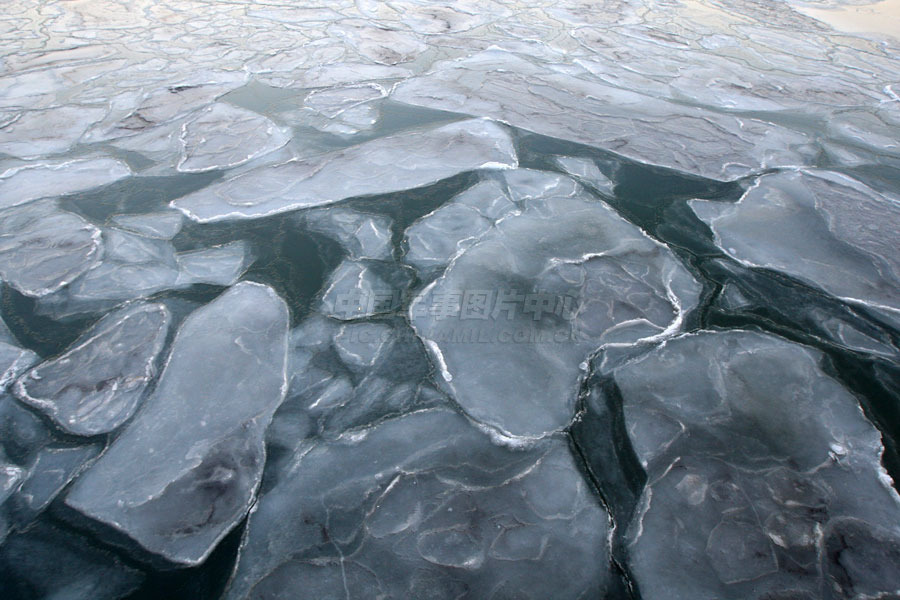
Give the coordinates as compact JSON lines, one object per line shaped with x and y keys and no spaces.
{"x":390,"y":164}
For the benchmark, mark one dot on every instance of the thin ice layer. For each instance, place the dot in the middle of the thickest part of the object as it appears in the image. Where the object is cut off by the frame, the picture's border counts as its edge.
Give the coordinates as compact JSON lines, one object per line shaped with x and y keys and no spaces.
{"x":43,"y":248}
{"x":499,"y":85}
{"x":390,"y":164}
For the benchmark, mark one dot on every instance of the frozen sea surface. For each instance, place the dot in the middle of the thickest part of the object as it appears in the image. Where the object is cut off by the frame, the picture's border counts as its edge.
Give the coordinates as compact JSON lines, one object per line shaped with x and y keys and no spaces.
{"x":447,"y":300}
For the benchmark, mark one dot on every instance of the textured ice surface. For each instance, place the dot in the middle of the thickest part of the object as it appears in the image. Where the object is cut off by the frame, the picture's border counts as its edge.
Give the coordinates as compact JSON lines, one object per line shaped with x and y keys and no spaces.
{"x":363,"y":288}
{"x":162,"y":225}
{"x":185,"y":470}
{"x":43,"y":248}
{"x":564,"y":277}
{"x":426,"y":505}
{"x":503,"y":86}
{"x":485,"y":217}
{"x":223,"y":136}
{"x":30,"y":181}
{"x":96,"y":385}
{"x":13,"y":360}
{"x":440,"y":235}
{"x":360,"y":234}
{"x":824,"y":228}
{"x":395,"y":163}
{"x":135,"y":266}
{"x":756,"y":460}
{"x":35,"y":133}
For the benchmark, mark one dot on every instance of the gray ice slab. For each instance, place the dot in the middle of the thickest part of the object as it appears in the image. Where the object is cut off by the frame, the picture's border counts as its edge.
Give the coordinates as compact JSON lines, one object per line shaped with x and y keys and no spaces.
{"x":364,"y":288}
{"x":513,"y":317}
{"x":163,"y":225}
{"x":824,"y":228}
{"x":435,"y":239}
{"x":185,"y":470}
{"x":44,"y":248}
{"x":31,"y":181}
{"x":223,"y":136}
{"x":135,"y":266}
{"x":754,"y":456}
{"x":96,"y":385}
{"x":49,"y":131}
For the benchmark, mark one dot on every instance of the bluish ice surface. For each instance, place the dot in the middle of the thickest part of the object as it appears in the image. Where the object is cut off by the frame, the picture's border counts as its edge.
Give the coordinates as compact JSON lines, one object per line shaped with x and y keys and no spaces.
{"x":445,"y":300}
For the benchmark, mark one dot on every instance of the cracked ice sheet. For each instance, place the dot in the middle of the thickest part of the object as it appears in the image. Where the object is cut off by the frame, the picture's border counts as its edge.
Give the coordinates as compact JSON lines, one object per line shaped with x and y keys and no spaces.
{"x":348,"y":376}
{"x":822,"y":227}
{"x":96,"y":385}
{"x":433,"y":240}
{"x":185,"y":470}
{"x":390,"y":164}
{"x":35,"y":133}
{"x":30,"y":181}
{"x":44,"y":248}
{"x":502,"y":86}
{"x":758,"y":465}
{"x":425,"y":505}
{"x":565,"y":276}
{"x":135,"y":266}
{"x":224,"y":136}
